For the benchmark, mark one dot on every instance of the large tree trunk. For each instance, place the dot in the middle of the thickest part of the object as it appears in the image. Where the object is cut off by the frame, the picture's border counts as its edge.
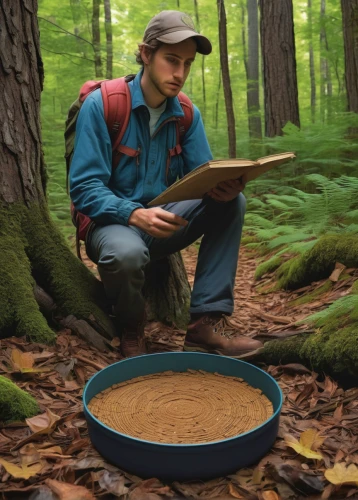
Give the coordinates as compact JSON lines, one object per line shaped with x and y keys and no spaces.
{"x":109,"y":38}
{"x":279,"y":63}
{"x":96,"y":39}
{"x":32,"y":251}
{"x":224,"y":62}
{"x":350,"y":32}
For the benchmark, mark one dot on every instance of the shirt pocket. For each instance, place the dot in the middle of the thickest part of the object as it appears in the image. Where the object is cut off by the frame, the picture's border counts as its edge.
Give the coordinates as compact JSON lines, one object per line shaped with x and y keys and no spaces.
{"x":175,"y":170}
{"x":127,"y":175}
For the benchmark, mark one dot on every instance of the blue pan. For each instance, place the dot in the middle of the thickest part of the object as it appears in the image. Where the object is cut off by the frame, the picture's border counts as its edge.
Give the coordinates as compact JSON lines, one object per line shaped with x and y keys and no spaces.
{"x":182,"y":462}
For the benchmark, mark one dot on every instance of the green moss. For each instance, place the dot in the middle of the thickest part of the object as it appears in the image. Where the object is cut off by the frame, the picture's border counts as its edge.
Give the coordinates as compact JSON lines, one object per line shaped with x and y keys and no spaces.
{"x":319,"y":262}
{"x":32,"y":249}
{"x":19,"y":312}
{"x":332,"y":349}
{"x":268,"y":266}
{"x":15,"y":404}
{"x":309,"y":297}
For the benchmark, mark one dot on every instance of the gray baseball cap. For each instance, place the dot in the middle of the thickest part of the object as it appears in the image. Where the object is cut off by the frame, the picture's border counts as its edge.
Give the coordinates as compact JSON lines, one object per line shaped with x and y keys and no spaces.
{"x":172,"y":26}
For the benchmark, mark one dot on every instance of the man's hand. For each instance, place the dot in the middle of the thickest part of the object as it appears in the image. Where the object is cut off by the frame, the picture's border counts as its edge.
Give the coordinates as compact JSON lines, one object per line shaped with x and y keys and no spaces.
{"x":227,"y":190}
{"x":156,"y":221}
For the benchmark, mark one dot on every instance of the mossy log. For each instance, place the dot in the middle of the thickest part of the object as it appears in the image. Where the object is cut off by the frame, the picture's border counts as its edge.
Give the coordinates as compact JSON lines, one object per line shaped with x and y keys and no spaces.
{"x":15,"y":404}
{"x":319,"y":262}
{"x":333,"y":348}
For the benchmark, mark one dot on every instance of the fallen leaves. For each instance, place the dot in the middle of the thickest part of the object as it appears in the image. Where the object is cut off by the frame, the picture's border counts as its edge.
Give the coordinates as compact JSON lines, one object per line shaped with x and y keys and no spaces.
{"x":66,"y":491}
{"x":309,"y":441}
{"x":24,"y":362}
{"x":23,"y":472}
{"x":342,"y":474}
{"x":53,"y":452}
{"x":44,"y":423}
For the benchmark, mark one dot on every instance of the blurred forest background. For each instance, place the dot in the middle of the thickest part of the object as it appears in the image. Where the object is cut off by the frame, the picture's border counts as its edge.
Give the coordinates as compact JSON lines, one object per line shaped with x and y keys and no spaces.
{"x":282,"y":77}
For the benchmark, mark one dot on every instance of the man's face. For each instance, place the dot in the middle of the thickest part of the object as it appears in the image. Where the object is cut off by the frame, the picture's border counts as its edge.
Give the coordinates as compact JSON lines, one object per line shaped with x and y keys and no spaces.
{"x":169,"y":67}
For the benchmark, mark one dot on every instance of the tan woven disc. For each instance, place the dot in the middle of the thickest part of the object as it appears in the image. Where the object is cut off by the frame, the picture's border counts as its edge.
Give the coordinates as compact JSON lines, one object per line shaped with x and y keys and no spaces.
{"x":189,"y":407}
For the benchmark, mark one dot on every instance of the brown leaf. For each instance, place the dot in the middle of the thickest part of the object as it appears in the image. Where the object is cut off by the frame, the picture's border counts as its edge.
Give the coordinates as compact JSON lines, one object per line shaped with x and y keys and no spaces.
{"x":339,"y":268}
{"x":270,"y":495}
{"x":113,"y":482}
{"x":67,"y":491}
{"x":44,"y":423}
{"x":233,"y":491}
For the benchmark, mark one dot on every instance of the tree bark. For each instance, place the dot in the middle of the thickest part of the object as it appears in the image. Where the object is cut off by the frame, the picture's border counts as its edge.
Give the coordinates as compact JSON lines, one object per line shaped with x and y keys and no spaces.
{"x":96,"y":39}
{"x":279,"y":65}
{"x":312,"y":69}
{"x":326,"y":81}
{"x":350,"y":33}
{"x":109,"y":38}
{"x":197,"y":19}
{"x":252,"y":72}
{"x":32,"y":251}
{"x":224,"y":62}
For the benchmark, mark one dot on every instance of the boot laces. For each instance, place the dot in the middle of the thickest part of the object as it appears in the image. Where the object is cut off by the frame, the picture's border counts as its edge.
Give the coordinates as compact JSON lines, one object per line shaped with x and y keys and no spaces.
{"x":222,"y":326}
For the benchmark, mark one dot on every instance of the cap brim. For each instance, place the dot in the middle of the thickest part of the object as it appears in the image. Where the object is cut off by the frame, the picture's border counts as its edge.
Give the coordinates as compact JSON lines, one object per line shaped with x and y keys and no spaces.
{"x":203,"y":44}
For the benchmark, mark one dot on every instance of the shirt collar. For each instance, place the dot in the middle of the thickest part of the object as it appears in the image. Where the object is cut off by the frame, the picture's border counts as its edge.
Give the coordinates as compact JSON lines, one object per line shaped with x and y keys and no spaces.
{"x":173,"y":106}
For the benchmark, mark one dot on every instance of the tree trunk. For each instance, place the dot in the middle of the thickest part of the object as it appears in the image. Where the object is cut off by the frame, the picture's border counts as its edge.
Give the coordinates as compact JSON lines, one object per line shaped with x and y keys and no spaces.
{"x":312,"y":70}
{"x":216,"y":117}
{"x":326,"y":82}
{"x":279,"y":63}
{"x":197,"y":19}
{"x":224,"y":62}
{"x":96,"y":39}
{"x":109,"y":40}
{"x":350,"y":32}
{"x":32,"y":251}
{"x":252,"y":72}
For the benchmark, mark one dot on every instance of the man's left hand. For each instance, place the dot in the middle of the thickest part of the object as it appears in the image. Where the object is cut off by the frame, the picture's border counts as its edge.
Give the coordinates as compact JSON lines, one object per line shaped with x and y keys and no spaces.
{"x":227,"y":190}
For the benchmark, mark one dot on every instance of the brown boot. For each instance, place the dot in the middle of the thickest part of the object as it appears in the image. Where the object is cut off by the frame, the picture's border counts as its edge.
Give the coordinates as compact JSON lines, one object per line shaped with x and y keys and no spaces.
{"x":215,"y":334}
{"x":133,"y":340}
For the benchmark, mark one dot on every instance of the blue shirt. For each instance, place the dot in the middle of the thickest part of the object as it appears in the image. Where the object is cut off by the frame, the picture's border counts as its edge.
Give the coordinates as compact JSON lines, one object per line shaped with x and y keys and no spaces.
{"x":109,"y":196}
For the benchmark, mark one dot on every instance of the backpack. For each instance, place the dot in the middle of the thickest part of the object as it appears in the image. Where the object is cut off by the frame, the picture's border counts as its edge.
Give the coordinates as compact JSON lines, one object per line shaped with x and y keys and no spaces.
{"x":117,"y":109}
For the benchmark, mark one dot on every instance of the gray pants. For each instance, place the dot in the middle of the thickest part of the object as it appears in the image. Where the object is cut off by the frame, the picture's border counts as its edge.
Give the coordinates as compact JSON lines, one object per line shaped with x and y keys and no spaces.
{"x":122,"y":253}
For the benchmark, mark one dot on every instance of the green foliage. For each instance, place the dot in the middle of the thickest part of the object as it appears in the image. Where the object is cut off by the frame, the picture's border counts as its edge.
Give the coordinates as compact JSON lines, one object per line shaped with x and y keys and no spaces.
{"x":15,"y":404}
{"x":268,"y":266}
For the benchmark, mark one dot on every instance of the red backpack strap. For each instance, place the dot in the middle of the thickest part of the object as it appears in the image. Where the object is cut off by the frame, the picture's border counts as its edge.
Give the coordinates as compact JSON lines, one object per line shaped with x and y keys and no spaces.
{"x":182,"y":126}
{"x":117,"y":108}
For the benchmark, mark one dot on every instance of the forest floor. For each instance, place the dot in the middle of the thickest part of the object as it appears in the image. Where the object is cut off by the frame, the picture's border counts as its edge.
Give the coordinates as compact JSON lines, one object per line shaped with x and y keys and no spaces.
{"x":51,"y":457}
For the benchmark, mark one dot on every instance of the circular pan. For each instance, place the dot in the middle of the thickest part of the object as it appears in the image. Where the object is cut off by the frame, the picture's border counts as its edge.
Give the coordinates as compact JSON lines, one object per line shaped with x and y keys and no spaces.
{"x":182,"y":462}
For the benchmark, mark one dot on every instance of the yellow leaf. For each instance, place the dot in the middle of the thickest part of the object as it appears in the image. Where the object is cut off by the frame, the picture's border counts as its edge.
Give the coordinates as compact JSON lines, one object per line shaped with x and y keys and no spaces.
{"x":24,"y":361}
{"x":43,"y":424}
{"x":341,"y":474}
{"x":309,"y":439}
{"x":24,"y":472}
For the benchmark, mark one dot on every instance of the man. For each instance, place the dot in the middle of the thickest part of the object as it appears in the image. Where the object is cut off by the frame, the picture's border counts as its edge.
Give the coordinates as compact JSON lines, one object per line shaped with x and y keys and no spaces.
{"x":127,"y":234}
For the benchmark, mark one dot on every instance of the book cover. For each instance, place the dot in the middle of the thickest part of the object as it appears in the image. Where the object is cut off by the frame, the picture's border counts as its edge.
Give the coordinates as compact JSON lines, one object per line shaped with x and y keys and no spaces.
{"x":199,"y":181}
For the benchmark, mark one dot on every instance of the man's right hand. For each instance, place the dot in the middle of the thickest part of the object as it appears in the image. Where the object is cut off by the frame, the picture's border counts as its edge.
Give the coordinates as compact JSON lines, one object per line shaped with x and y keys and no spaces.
{"x":156,"y":222}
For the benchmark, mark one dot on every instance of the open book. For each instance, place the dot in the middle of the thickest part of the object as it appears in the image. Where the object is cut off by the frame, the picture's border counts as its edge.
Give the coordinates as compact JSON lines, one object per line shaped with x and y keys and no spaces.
{"x":196,"y":183}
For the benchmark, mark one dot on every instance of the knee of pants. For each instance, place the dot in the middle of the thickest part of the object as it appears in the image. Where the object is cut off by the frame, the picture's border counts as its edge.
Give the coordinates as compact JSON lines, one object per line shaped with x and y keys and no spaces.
{"x":124,"y":259}
{"x":237,"y":207}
